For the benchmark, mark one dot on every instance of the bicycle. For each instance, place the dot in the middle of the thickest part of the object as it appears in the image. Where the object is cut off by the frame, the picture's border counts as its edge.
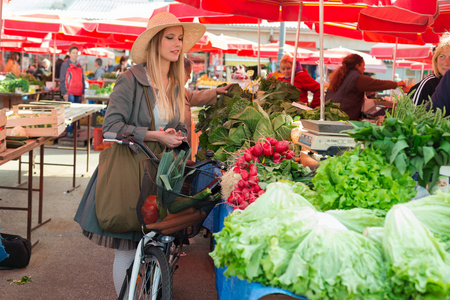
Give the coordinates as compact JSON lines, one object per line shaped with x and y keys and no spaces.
{"x":158,"y":251}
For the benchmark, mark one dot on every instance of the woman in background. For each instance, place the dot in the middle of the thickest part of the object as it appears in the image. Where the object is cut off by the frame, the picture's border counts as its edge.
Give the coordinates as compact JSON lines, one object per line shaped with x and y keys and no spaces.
{"x":348,"y":85}
{"x":302,"y":80}
{"x":441,"y":63}
{"x":12,"y":66}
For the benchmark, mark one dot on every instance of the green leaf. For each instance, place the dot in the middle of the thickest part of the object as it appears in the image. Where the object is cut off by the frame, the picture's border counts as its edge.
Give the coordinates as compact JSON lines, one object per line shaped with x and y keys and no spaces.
{"x":237,"y":136}
{"x":218,"y":136}
{"x":399,"y":146}
{"x":250,"y":116}
{"x":428,"y":153}
{"x":263,"y":129}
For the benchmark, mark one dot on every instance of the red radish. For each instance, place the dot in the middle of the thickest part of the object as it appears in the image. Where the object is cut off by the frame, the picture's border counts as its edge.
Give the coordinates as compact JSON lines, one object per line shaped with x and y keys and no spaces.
{"x":248,"y":156}
{"x":253,"y":171}
{"x":252,"y":199}
{"x":276,"y":156}
{"x":277,"y":161}
{"x":255,"y":159}
{"x":289,"y":154}
{"x":244,"y":174}
{"x":255,"y":188}
{"x":241,"y":184}
{"x":253,"y":178}
{"x":260,"y":192}
{"x":236,"y":169}
{"x":281,"y":146}
{"x":242,"y":164}
{"x":272,"y":141}
{"x":258,"y":150}
{"x":268,"y":149}
{"x":283,"y":153}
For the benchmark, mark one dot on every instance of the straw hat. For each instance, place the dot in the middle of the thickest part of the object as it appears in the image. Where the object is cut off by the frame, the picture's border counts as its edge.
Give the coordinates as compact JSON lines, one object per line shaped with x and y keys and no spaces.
{"x":192,"y":33}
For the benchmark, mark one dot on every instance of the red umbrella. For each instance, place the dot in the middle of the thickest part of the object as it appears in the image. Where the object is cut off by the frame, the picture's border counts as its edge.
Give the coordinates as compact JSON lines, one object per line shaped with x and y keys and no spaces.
{"x":280,"y":10}
{"x":387,"y":51}
{"x":187,"y":13}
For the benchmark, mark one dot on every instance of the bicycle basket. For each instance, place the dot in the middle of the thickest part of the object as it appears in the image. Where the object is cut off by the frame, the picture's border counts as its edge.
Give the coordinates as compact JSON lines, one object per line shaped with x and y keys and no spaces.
{"x":197,"y":180}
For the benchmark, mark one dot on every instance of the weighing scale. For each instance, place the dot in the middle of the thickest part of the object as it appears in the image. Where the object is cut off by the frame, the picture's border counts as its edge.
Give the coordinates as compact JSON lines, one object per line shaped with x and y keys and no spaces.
{"x":325,"y":137}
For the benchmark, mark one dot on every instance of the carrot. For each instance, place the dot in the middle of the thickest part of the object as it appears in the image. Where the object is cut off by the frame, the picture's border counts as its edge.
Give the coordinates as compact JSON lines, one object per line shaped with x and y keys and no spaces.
{"x":174,"y":229}
{"x":174,"y":222}
{"x":187,"y":211}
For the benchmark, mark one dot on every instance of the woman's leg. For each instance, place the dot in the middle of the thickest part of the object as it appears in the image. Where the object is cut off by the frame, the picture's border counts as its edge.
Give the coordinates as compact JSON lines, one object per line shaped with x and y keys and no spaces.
{"x":122,"y":261}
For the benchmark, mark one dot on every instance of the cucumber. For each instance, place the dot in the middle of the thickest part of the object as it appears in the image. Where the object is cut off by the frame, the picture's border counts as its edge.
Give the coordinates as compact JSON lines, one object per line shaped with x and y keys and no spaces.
{"x":14,"y":144}
{"x":17,"y":138}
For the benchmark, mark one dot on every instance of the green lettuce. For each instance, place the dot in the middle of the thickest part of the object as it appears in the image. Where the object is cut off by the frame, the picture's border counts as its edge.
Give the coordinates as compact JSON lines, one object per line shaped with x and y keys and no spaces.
{"x":357,"y":219}
{"x":419,"y":266}
{"x":434,"y":212}
{"x":361,"y":179}
{"x":281,"y":240}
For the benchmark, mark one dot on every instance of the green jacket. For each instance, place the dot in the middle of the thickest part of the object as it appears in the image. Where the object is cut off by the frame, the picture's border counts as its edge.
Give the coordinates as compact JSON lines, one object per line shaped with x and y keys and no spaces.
{"x":127,"y":108}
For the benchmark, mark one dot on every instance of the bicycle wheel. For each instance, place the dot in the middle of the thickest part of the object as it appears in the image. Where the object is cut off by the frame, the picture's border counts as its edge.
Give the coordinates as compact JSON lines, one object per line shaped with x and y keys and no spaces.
{"x":154,"y":280}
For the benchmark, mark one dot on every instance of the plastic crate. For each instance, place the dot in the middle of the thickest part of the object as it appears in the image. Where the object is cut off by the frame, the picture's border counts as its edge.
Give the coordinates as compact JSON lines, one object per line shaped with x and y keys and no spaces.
{"x":99,"y":145}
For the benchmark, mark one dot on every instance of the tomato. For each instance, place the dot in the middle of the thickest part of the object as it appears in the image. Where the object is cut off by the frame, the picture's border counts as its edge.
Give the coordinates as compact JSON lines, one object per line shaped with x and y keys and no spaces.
{"x":150,"y":210}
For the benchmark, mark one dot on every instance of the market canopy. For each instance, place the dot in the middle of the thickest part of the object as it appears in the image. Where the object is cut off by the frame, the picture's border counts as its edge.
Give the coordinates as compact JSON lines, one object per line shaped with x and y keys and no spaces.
{"x":187,"y":13}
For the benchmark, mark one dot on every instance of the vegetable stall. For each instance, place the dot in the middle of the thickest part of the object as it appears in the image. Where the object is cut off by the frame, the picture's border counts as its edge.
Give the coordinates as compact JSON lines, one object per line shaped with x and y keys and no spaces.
{"x":368,"y":223}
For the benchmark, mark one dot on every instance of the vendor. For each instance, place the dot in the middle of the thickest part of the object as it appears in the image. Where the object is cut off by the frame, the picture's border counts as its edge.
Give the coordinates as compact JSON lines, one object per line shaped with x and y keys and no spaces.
{"x":441,"y":63}
{"x":348,"y":85}
{"x":44,"y":70}
{"x":302,"y":80}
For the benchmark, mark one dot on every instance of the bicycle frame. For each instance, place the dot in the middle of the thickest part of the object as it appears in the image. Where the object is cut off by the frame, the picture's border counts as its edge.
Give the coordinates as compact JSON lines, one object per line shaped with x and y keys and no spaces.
{"x":153,"y":238}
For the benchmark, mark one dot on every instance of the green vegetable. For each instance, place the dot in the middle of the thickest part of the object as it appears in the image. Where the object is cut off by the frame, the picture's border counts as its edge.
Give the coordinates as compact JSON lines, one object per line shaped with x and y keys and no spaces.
{"x":170,"y":178}
{"x":419,"y":266}
{"x":434,"y":212}
{"x":297,"y":248}
{"x":357,"y":219}
{"x":362,"y":179}
{"x":413,"y":138}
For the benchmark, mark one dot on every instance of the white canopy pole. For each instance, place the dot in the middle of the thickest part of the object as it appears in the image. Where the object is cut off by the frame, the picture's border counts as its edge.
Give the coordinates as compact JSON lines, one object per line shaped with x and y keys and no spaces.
{"x":297,"y":35}
{"x":322,"y":95}
{"x":393,"y":65}
{"x":259,"y":47}
{"x":54,"y":62}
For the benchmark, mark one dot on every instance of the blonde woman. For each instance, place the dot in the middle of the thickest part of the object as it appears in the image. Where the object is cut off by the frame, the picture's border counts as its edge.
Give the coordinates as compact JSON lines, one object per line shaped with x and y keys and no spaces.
{"x":441,"y":64}
{"x":156,"y":119}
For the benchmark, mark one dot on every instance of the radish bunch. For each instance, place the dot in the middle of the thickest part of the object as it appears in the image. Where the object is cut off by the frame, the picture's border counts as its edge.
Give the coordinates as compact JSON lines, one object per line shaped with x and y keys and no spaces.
{"x":247,"y":189}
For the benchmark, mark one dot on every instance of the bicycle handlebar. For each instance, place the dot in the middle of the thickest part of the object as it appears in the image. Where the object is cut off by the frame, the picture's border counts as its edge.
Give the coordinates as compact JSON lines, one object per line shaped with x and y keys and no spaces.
{"x":128,"y":138}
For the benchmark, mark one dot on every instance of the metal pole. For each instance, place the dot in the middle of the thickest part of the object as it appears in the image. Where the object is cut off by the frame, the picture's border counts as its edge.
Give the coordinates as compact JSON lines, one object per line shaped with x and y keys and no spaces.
{"x":297,"y":35}
{"x":322,"y":95}
{"x":281,"y":43}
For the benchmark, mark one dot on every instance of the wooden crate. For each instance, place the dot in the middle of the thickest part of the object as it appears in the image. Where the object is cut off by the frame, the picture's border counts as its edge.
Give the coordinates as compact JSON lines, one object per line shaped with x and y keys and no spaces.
{"x":51,"y":116}
{"x":2,"y":130}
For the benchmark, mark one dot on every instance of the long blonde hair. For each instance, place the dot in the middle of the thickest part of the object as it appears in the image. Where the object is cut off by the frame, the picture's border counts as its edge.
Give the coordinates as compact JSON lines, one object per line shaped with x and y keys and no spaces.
{"x":167,"y":102}
{"x":444,"y":42}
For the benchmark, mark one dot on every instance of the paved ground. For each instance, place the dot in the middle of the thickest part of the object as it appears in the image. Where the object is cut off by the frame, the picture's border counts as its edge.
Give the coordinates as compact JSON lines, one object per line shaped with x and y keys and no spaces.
{"x":66,"y":265}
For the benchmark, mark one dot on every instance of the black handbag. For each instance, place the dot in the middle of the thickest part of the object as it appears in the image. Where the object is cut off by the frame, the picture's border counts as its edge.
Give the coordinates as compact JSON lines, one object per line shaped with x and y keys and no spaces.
{"x":19,"y":250}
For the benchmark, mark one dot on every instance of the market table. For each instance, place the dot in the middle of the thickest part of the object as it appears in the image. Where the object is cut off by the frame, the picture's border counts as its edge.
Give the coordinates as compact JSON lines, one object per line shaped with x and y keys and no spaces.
{"x":97,"y":98}
{"x":7,"y":100}
{"x":73,"y":114}
{"x":12,"y":154}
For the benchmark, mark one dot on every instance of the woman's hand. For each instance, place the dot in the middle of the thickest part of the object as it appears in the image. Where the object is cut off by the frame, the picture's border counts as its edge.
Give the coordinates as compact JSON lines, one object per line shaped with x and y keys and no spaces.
{"x":401,"y":84}
{"x":170,"y":137}
{"x":223,"y":89}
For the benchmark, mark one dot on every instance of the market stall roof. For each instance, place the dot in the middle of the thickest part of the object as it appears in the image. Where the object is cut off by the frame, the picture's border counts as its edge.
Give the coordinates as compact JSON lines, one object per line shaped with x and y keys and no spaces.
{"x":386,"y":51}
{"x":187,"y":13}
{"x":281,"y":10}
